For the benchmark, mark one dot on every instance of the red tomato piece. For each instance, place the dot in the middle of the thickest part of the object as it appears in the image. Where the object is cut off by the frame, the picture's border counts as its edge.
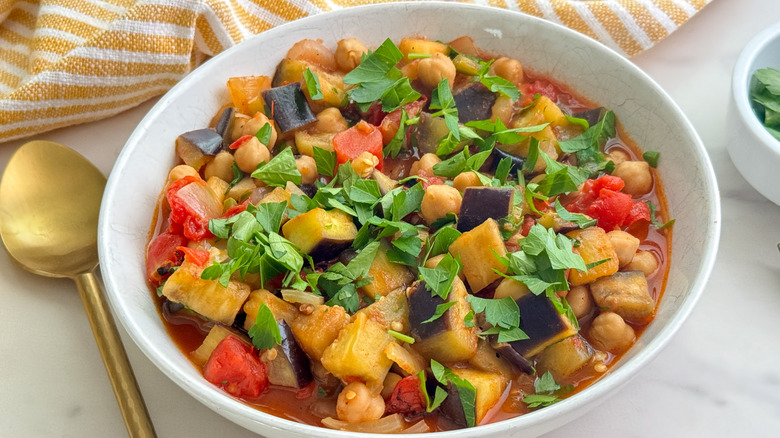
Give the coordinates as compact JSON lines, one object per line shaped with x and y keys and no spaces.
{"x":198,"y":256}
{"x":407,"y":397}
{"x":610,"y":209}
{"x":241,"y":140}
{"x":639,"y":211}
{"x":543,"y":87}
{"x":163,"y":255}
{"x":193,"y":207}
{"x":236,"y":209}
{"x":233,"y":367}
{"x":389,"y":125}
{"x":580,"y":201}
{"x":360,"y":138}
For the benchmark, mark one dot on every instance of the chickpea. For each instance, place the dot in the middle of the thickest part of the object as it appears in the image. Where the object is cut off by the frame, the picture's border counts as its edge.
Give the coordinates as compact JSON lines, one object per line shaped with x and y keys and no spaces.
{"x":391,"y":379}
{"x":330,"y":121}
{"x":439,"y":200}
{"x":308,"y":169}
{"x":250,"y":154}
{"x":239,"y":120}
{"x":609,"y":332}
{"x":220,"y":166}
{"x":356,"y":404}
{"x":364,"y":164}
{"x":618,"y":156}
{"x":465,"y":180}
{"x":636,"y":175}
{"x":643,"y":261}
{"x":509,"y":69}
{"x":432,"y":70}
{"x":181,"y":171}
{"x":580,"y":300}
{"x":625,"y":246}
{"x":424,"y":166}
{"x":313,"y":51}
{"x":348,"y":53}
{"x":255,"y":124}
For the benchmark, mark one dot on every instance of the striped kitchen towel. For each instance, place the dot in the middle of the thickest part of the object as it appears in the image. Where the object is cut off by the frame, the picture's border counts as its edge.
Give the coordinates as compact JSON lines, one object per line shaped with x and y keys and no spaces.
{"x":64,"y":62}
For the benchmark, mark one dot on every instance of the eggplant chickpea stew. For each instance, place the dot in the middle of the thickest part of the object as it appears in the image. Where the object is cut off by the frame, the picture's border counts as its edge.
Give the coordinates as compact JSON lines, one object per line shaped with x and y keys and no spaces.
{"x":419,"y":237}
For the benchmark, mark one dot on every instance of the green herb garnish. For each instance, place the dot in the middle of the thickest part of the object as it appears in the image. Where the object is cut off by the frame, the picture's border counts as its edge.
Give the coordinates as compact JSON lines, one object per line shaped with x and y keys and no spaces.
{"x":466,"y":391}
{"x":312,"y":84}
{"x":279,"y":170}
{"x":765,"y":93}
{"x":503,"y":314}
{"x":265,"y":331}
{"x":325,"y":160}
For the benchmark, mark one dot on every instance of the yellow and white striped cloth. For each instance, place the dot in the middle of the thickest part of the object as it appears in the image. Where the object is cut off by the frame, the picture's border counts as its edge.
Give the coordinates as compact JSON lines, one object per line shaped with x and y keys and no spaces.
{"x":64,"y":62}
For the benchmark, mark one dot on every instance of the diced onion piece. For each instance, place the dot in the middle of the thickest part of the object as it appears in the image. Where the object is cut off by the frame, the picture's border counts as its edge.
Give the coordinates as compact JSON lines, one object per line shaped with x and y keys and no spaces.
{"x":301,"y":297}
{"x":390,"y":424}
{"x":418,"y":427}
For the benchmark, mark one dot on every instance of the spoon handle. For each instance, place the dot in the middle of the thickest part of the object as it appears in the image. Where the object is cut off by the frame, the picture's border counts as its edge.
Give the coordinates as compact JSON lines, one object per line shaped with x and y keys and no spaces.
{"x":134,"y":412}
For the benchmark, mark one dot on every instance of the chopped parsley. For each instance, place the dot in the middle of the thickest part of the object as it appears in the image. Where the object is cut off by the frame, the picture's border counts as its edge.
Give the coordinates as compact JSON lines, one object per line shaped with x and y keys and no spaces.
{"x":466,"y":391}
{"x":279,"y":170}
{"x":439,"y":280}
{"x":312,"y":84}
{"x":265,"y":331}
{"x":325,"y":161}
{"x":503,"y":314}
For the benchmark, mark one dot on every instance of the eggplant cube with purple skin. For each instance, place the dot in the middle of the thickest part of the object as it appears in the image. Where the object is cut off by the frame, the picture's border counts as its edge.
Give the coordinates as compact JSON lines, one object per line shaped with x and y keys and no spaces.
{"x":446,"y":339}
{"x":543,"y":324}
{"x":289,"y":107}
{"x":625,"y":293}
{"x":287,"y":364}
{"x":482,"y":203}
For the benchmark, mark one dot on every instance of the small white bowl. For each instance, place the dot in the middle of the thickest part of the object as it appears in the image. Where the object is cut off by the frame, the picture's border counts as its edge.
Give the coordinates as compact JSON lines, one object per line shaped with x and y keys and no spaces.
{"x":597,"y":73}
{"x":754,"y":151}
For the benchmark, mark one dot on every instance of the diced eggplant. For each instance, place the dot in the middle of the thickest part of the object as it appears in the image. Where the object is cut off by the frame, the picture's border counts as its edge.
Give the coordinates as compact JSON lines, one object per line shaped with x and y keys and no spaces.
{"x":388,"y":276}
{"x":319,"y":233}
{"x":409,"y":361}
{"x":358,"y":351}
{"x":482,"y":203}
{"x":452,"y":409}
{"x":446,"y":339}
{"x":498,"y":155}
{"x":512,"y":356}
{"x":308,"y":189}
{"x":290,"y":108}
{"x":305,"y":142}
{"x":475,"y":102}
{"x":217,"y":333}
{"x":490,"y":387}
{"x":282,"y":310}
{"x":288,"y":365}
{"x":197,"y":147}
{"x":479,"y":250}
{"x":540,"y":320}
{"x":509,"y":287}
{"x":225,"y":125}
{"x":625,"y":293}
{"x":430,"y":131}
{"x":565,"y":358}
{"x":487,"y":359}
{"x":593,"y":116}
{"x":391,"y":310}
{"x":595,"y":246}
{"x":316,"y":331}
{"x":552,"y":220}
{"x":205,"y":297}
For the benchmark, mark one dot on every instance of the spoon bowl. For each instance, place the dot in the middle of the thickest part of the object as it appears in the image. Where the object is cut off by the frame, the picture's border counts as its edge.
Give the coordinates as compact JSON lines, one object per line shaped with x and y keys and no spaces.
{"x":49,"y":207}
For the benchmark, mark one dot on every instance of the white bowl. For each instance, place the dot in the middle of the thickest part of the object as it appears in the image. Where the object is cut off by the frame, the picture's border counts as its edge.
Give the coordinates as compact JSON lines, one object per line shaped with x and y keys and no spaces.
{"x":646,"y":112}
{"x":754,"y":151}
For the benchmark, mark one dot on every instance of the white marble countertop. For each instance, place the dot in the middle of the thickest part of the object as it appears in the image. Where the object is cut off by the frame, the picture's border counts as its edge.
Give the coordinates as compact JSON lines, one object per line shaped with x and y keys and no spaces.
{"x":718,"y":377}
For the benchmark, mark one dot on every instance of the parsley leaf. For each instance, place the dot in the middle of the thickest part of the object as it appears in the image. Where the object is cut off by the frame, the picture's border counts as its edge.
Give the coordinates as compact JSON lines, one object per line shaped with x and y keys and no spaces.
{"x":325,"y":160}
{"x":466,"y":391}
{"x":312,"y":85}
{"x":439,"y":280}
{"x":279,"y":170}
{"x":438,"y":396}
{"x":588,"y":146}
{"x":265,"y":331}
{"x":654,"y":220}
{"x":394,"y":147}
{"x":440,"y":309}
{"x":264,"y":133}
{"x":496,"y":83}
{"x":503,"y":314}
{"x":580,"y":219}
{"x":440,"y":241}
{"x":652,"y":158}
{"x":442,"y":100}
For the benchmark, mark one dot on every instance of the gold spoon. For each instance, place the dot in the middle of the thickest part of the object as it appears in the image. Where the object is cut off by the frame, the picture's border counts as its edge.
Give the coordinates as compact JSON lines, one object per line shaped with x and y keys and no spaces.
{"x":49,"y":203}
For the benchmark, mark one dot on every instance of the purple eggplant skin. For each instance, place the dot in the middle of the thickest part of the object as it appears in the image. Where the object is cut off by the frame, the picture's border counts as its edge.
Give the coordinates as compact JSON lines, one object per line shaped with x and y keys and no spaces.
{"x":207,"y":140}
{"x":422,"y":306}
{"x":498,"y":155}
{"x":475,"y":102}
{"x":295,"y":355}
{"x":225,"y":125}
{"x":308,"y":189}
{"x":512,"y":356}
{"x":452,"y":408}
{"x":592,"y":115}
{"x":540,"y":320}
{"x":482,"y":203}
{"x":290,"y":108}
